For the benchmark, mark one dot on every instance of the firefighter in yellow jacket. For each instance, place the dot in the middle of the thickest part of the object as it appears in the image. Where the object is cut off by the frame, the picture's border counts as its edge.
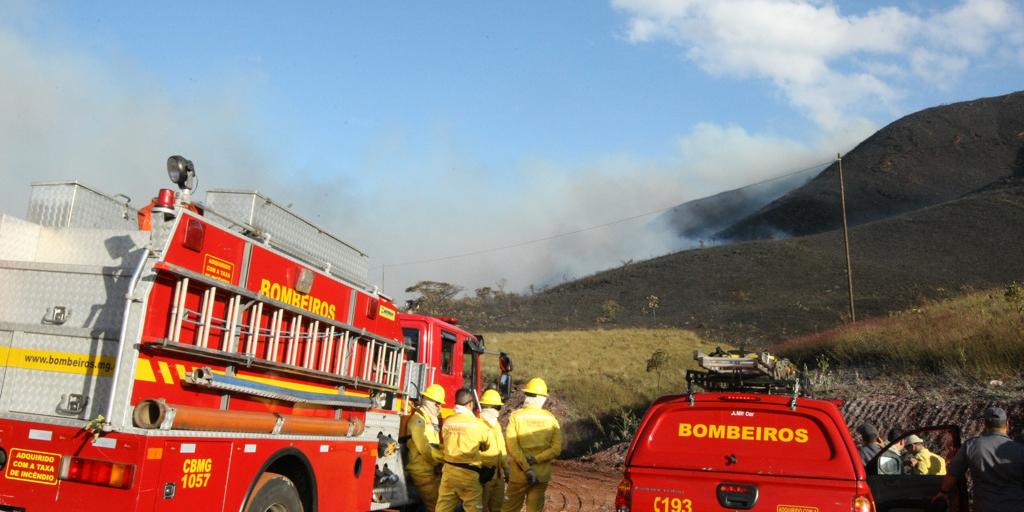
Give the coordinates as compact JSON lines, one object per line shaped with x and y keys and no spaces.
{"x":533,"y":439}
{"x":425,"y":456}
{"x":465,"y":441}
{"x":494,"y":491}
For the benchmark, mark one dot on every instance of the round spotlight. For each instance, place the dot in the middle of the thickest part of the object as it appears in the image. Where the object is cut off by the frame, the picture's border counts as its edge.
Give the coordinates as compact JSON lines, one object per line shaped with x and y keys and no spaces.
{"x":181,"y":171}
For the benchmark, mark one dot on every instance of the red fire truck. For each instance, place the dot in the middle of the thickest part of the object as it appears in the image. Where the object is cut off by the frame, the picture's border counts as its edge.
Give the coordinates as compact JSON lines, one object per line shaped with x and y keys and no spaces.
{"x":227,"y":355}
{"x":755,"y":441}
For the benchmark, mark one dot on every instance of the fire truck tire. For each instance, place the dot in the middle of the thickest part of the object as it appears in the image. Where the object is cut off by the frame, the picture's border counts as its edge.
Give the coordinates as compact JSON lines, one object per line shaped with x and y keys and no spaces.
{"x":274,"y":493}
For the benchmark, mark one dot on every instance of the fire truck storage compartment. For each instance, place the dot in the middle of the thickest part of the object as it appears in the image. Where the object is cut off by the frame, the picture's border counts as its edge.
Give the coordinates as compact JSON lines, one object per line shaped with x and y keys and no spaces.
{"x":69,"y":204}
{"x":61,"y":314}
{"x":291,"y":232}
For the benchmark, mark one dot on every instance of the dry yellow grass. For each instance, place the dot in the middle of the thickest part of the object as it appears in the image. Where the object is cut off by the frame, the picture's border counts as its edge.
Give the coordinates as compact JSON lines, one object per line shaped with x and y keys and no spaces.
{"x":599,"y":371}
{"x":980,"y":335}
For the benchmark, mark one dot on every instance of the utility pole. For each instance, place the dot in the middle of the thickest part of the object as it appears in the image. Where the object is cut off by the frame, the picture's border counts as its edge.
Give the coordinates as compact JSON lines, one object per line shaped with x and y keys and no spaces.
{"x":846,"y":237}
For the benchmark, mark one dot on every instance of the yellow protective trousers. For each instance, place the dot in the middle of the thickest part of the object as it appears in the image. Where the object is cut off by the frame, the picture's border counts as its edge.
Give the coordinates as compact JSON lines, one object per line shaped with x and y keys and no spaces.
{"x":494,"y":493}
{"x":426,"y":483}
{"x":518,"y":492}
{"x":459,"y":485}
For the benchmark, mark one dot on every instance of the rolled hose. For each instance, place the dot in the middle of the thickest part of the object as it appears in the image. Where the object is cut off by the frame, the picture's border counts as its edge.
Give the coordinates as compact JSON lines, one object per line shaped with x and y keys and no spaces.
{"x":155,"y":414}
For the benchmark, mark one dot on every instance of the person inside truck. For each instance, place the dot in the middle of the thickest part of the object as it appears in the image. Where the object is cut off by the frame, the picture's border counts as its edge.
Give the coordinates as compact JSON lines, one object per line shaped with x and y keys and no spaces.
{"x":890,"y":462}
{"x":870,"y":442}
{"x":996,"y":463}
{"x":922,"y":461}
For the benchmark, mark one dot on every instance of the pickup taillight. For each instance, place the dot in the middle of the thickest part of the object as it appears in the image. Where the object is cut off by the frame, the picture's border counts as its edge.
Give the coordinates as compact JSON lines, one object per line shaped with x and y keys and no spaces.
{"x":863,"y":504}
{"x":97,"y":472}
{"x":624,"y":496}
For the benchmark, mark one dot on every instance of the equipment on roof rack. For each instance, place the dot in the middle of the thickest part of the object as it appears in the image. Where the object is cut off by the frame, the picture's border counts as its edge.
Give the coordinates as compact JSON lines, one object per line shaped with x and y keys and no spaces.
{"x":750,"y":372}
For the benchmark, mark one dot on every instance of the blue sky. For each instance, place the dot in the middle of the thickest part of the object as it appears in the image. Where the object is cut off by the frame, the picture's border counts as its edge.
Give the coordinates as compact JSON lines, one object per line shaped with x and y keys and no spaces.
{"x":422,"y":129}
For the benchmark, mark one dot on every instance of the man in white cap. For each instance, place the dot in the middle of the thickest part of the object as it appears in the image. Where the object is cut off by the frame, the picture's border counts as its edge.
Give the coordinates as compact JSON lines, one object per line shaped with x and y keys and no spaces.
{"x":996,"y":463}
{"x":922,"y":460}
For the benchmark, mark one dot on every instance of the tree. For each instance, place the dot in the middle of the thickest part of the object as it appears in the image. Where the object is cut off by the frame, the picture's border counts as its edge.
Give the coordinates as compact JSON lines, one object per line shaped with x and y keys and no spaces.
{"x":651,"y":305}
{"x":656,"y":363}
{"x":433,"y":295}
{"x":609,"y":310}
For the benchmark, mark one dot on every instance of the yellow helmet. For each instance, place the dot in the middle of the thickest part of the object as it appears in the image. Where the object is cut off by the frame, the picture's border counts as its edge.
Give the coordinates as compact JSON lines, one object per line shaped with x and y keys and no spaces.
{"x":536,"y":386}
{"x":491,"y":397}
{"x":434,"y":392}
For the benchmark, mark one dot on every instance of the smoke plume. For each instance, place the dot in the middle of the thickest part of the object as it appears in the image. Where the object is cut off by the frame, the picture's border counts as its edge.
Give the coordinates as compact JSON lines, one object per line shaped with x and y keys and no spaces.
{"x":65,"y":115}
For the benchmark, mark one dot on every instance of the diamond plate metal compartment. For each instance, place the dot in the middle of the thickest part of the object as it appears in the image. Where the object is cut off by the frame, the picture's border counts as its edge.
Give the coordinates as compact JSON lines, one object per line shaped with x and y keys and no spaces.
{"x":70,"y":204}
{"x":18,"y":239}
{"x":291,"y":232}
{"x":21,"y":240}
{"x":92,"y":297}
{"x":50,"y":369}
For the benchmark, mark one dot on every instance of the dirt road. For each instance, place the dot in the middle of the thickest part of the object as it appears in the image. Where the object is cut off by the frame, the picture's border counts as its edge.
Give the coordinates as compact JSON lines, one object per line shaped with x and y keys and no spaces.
{"x":580,"y":487}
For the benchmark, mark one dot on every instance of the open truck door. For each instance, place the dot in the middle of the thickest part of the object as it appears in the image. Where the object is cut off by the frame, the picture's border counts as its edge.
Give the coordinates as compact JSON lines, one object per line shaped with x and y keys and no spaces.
{"x":503,"y":381}
{"x":897,"y":487}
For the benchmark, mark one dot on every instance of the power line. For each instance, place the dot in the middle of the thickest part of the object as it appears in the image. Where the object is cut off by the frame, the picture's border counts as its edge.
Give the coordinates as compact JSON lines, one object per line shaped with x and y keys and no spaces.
{"x":592,"y":228}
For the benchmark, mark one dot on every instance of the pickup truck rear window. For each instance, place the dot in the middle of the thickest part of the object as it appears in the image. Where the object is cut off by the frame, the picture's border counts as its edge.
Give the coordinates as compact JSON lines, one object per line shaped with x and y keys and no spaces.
{"x":744,"y":438}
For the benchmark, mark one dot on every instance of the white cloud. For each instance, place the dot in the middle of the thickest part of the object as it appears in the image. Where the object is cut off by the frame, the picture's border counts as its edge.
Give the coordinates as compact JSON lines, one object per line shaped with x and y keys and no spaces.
{"x":804,"y":47}
{"x":975,"y":25}
{"x":941,"y":69}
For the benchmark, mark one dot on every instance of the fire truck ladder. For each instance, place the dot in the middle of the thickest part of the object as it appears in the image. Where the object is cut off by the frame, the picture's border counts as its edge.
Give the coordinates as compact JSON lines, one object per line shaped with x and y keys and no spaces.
{"x":740,"y":371}
{"x":254,"y":330}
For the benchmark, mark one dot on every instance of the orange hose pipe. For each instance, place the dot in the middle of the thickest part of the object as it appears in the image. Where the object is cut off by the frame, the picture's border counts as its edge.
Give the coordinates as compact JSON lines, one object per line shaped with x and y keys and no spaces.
{"x":152,"y":414}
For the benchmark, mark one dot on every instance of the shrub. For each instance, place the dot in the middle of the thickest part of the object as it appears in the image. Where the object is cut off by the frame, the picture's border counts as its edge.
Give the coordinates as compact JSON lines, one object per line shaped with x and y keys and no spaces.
{"x":609,"y":311}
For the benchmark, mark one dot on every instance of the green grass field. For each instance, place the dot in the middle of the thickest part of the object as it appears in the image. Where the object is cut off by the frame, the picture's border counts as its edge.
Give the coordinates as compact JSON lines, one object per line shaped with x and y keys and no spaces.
{"x":600,"y":372}
{"x":978,"y":336}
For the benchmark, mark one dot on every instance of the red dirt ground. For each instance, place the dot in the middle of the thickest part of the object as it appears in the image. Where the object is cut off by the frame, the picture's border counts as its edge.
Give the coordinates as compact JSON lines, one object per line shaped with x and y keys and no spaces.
{"x":581,"y":487}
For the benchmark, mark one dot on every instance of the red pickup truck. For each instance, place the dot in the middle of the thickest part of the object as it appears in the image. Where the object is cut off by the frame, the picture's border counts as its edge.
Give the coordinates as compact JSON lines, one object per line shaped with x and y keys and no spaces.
{"x":744,"y":446}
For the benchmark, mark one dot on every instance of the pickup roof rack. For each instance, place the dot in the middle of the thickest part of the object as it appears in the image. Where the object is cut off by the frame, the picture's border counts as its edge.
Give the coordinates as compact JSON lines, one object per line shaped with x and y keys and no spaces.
{"x":749,"y":372}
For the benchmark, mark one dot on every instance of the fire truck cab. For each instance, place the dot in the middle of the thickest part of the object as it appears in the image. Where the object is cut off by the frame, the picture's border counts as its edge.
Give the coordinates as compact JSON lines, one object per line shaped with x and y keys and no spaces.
{"x":439,"y":344}
{"x":223,"y":355}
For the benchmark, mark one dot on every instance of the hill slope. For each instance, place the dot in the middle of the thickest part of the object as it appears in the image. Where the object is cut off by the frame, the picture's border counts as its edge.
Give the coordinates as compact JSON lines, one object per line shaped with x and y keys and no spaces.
{"x":771,"y":290}
{"x":704,"y":218}
{"x":926,"y":158}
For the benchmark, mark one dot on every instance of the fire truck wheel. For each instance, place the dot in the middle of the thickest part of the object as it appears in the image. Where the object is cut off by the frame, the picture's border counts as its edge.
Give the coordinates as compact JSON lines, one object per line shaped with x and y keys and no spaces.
{"x":274,"y":493}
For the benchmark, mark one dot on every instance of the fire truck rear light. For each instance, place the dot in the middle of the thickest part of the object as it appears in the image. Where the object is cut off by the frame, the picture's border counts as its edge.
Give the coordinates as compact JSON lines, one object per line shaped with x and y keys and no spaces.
{"x":624,"y":496}
{"x":741,"y":398}
{"x":97,"y":472}
{"x":195,"y":232}
{"x":737,"y":496}
{"x":863,"y":504}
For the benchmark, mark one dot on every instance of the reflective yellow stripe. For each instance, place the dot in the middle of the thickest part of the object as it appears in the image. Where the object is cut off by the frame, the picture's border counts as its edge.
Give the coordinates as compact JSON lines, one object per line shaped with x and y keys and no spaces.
{"x":292,"y":385}
{"x":165,"y":372}
{"x":63,"y":362}
{"x":144,"y":371}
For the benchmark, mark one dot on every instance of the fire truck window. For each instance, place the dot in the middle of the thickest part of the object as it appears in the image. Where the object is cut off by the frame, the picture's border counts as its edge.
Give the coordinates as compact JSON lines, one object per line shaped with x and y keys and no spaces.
{"x":447,"y":352}
{"x":412,"y":340}
{"x":468,"y":366}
